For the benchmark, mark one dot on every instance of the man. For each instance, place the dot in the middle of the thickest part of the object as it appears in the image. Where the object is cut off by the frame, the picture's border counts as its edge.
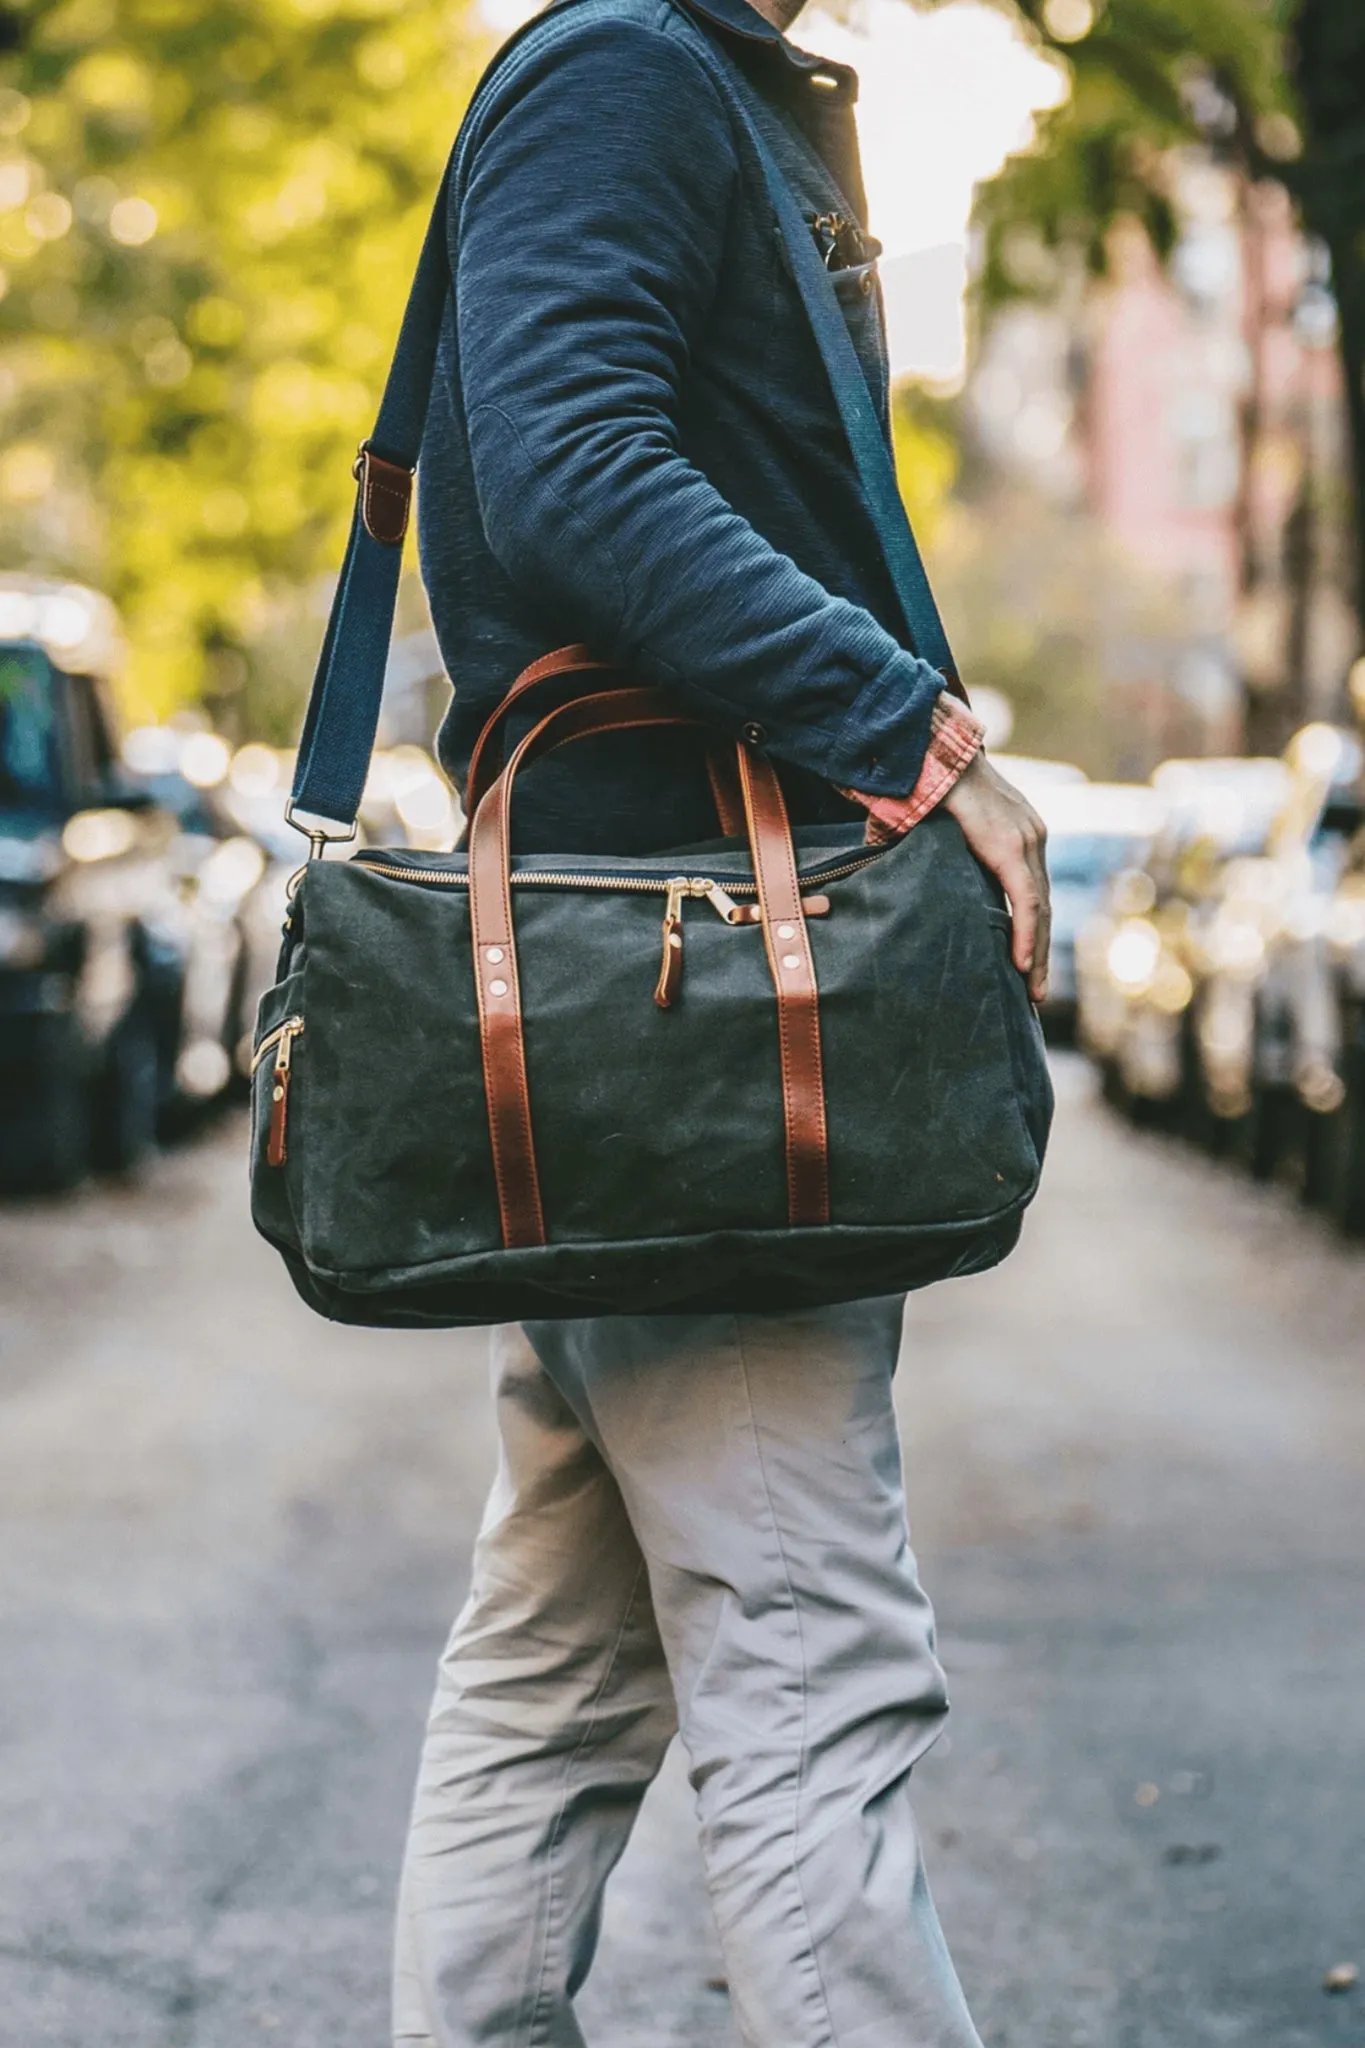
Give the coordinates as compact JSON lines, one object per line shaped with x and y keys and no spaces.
{"x":698,"y":1521}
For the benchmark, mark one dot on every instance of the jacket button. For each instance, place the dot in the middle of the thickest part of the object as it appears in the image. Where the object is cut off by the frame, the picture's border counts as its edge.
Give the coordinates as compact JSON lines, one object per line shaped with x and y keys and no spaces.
{"x":754,"y":733}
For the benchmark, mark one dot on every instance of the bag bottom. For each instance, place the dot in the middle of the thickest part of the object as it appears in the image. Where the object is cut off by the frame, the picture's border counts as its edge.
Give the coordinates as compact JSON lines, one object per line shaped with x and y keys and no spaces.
{"x":734,"y":1273}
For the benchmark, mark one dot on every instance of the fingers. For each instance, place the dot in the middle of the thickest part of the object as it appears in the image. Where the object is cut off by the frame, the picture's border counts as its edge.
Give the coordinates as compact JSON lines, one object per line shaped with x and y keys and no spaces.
{"x":1023,"y":876}
{"x":1008,"y":838}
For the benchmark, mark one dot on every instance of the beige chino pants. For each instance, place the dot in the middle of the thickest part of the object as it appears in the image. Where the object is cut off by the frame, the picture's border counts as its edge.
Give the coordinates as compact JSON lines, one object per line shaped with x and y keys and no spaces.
{"x":698,"y":1523}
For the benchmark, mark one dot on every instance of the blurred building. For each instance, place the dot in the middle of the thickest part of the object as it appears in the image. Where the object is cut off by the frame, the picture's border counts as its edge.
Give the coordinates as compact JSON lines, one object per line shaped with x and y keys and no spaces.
{"x":1196,"y":413}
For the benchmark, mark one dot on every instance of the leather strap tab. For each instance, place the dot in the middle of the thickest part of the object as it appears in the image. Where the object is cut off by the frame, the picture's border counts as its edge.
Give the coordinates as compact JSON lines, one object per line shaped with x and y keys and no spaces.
{"x":792,"y":967}
{"x":385,"y":496}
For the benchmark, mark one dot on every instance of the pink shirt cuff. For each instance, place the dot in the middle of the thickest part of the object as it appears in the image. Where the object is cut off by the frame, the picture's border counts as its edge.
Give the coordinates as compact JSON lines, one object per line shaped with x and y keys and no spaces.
{"x":955,"y":738}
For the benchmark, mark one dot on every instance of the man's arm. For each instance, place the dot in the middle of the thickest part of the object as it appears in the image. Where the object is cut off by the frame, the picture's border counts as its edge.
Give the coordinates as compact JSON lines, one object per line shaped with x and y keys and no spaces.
{"x":589,"y":246}
{"x":587,"y":257}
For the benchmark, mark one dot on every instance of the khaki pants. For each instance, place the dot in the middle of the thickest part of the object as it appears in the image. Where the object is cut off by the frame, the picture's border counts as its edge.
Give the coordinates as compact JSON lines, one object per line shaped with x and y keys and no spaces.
{"x":698,"y":1523}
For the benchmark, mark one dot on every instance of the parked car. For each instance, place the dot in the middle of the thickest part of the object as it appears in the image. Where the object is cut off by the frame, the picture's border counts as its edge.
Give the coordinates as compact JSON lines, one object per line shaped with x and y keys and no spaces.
{"x":1135,"y":958}
{"x":1035,"y":777}
{"x":89,"y":982}
{"x":1264,"y":1012}
{"x":218,"y":862}
{"x":1334,"y":1176}
{"x":1095,"y":830}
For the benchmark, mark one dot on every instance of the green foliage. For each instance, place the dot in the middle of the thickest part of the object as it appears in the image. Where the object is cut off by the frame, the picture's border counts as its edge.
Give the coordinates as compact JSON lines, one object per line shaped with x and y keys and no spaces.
{"x":209,"y":213}
{"x":926,"y":440}
{"x":1147,"y":76}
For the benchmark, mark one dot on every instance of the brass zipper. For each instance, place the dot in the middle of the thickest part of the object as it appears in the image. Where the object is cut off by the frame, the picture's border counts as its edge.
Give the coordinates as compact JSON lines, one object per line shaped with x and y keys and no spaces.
{"x":280,"y":1041}
{"x":289,"y":1030}
{"x":679,"y":889}
{"x":660,"y":885}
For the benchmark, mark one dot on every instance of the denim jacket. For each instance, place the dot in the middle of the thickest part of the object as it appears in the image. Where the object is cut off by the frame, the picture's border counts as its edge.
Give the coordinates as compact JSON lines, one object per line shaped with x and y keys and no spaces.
{"x":633,"y":441}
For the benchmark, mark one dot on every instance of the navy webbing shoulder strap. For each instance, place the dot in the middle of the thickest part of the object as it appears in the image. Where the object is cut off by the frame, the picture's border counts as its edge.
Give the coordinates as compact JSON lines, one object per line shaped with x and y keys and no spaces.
{"x":343,"y":708}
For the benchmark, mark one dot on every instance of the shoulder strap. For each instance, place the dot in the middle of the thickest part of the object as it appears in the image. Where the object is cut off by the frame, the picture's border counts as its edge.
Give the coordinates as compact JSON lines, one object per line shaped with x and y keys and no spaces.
{"x":343,"y":708}
{"x":862,"y":428}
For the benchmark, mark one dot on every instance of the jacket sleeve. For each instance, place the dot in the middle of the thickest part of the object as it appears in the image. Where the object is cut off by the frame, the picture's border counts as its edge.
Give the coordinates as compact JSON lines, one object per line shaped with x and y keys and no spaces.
{"x":587,"y":252}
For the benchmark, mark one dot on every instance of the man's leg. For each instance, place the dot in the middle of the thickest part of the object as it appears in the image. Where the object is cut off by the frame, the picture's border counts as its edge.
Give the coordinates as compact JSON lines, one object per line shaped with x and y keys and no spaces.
{"x":552,"y":1714}
{"x":760,"y":1466}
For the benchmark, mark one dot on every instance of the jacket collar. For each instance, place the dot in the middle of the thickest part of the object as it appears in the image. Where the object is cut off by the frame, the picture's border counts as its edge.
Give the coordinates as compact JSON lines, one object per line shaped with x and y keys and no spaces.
{"x":738,"y":18}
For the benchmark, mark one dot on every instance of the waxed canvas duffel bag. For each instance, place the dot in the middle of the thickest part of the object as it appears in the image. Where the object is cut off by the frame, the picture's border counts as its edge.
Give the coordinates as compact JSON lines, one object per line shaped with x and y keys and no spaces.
{"x":776,"y":1070}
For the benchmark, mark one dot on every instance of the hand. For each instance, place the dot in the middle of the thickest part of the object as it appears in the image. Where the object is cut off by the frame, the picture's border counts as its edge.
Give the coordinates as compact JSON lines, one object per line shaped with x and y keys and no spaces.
{"x":1007,"y":836}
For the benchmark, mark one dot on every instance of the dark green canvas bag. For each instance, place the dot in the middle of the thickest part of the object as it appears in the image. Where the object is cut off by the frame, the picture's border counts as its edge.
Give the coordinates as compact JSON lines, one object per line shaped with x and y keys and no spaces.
{"x":778,"y":1070}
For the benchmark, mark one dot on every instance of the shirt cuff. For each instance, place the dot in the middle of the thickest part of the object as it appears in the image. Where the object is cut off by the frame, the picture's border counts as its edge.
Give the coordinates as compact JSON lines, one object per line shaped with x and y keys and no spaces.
{"x":955,"y":739}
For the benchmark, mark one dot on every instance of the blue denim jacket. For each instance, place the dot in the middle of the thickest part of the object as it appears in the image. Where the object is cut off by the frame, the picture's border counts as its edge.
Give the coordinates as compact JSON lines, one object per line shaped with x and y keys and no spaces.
{"x":633,"y":441}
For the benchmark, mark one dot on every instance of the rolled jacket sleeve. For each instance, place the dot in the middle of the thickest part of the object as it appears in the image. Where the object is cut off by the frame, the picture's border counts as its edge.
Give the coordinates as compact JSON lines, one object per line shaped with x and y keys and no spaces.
{"x":588,"y":250}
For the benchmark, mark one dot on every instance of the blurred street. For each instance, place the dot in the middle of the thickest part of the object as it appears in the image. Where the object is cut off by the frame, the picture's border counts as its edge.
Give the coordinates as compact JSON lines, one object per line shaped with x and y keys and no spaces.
{"x":233,"y":1538}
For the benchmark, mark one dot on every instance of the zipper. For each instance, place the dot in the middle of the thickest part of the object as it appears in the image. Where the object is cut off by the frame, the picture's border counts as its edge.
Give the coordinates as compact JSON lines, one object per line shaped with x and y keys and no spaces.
{"x":280,"y":1041}
{"x":658,"y":885}
{"x":679,"y":889}
{"x":675,"y":890}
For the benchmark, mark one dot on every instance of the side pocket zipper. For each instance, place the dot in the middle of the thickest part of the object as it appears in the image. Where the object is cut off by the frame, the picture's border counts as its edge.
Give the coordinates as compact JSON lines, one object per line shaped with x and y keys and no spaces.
{"x":280,"y":1041}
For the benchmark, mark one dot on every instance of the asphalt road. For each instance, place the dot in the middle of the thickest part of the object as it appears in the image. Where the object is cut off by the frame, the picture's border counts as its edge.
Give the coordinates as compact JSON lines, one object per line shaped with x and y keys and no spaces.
{"x":231,"y":1539}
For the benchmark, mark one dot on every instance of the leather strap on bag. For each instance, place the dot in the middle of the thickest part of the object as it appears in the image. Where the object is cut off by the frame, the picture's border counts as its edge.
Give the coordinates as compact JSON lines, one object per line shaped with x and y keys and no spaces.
{"x":485,"y":762}
{"x":798,"y":997}
{"x":498,"y":987}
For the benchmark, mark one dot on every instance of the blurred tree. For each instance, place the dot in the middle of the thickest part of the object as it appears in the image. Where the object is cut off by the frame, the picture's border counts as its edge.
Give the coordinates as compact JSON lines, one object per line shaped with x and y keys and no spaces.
{"x":209,"y":211}
{"x":1328,"y":61}
{"x":1146,"y":76}
{"x":1274,"y":87}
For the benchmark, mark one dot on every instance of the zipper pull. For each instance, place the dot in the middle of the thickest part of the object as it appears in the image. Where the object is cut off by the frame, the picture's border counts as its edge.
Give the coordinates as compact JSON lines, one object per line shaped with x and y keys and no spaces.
{"x":277,"y":1148}
{"x":671,"y":966}
{"x":723,"y":905}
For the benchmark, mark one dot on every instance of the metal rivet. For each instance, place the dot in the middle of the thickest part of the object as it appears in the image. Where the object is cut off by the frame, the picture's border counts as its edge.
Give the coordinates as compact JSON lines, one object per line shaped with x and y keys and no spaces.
{"x":786,"y":931}
{"x":495,"y":954}
{"x":497,"y":988}
{"x":791,"y":959}
{"x":675,"y":940}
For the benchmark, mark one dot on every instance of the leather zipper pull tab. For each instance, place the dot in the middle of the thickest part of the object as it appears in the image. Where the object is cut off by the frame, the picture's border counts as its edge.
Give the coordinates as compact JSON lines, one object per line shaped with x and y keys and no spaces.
{"x":277,"y":1145}
{"x":671,"y":966}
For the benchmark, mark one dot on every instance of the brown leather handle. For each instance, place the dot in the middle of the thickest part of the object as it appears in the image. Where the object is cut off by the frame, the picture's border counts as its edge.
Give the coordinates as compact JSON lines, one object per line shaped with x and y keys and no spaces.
{"x":485,"y":762}
{"x":498,"y":988}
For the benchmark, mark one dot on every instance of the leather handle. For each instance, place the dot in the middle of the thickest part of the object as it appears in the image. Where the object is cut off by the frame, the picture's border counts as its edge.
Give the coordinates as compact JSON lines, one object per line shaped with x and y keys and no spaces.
{"x":486,"y":760}
{"x":726,"y":793}
{"x":485,"y":763}
{"x":792,"y":966}
{"x":498,"y":987}
{"x":497,"y":981}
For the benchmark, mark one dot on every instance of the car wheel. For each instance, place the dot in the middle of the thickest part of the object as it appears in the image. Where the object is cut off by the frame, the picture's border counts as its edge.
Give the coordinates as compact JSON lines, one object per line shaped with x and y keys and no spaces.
{"x":1269,"y":1133}
{"x":47,"y":1144}
{"x":127,"y":1096}
{"x":1336,"y":1159}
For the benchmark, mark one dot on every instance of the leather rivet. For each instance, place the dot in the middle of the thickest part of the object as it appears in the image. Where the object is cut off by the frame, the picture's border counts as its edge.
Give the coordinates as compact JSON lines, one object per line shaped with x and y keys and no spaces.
{"x":497,"y":988}
{"x":495,"y":956}
{"x":790,"y":960}
{"x":786,"y":931}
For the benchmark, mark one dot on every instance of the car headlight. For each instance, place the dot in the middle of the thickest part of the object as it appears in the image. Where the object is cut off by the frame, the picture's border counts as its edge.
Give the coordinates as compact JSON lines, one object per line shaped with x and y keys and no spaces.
{"x":1133,"y":954}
